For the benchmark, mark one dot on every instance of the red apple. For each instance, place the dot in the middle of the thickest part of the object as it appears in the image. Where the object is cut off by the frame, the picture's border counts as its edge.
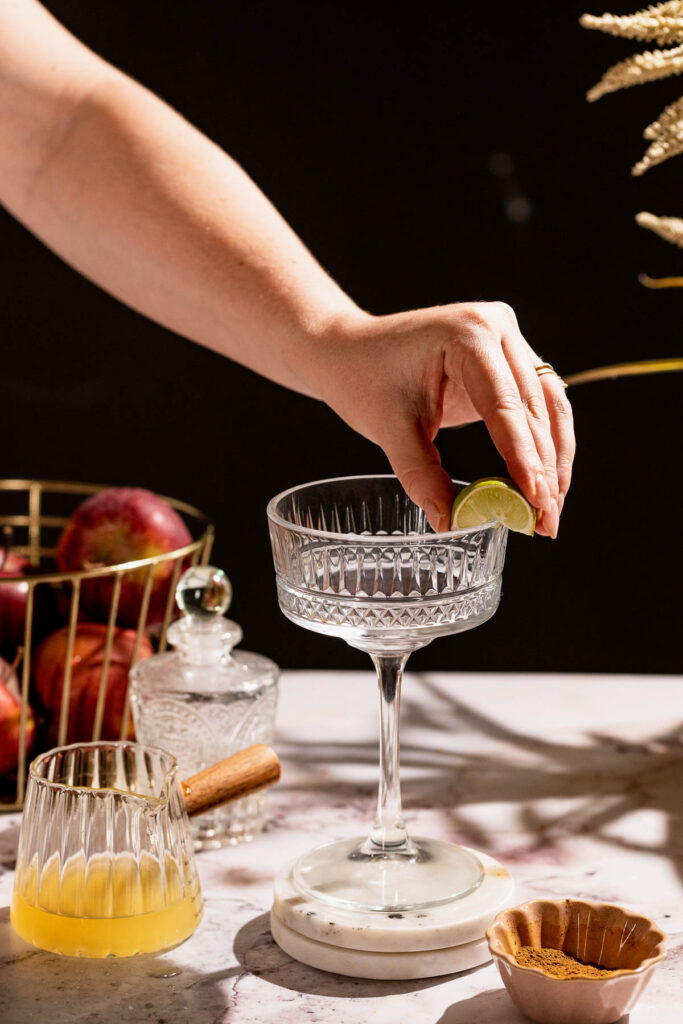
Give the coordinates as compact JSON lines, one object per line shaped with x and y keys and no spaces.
{"x":10,"y":720}
{"x":49,"y":662}
{"x":12,"y":601}
{"x":121,"y":525}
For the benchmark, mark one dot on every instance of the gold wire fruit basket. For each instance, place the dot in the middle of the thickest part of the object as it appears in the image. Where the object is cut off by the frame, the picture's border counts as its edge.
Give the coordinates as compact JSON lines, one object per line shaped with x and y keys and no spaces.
{"x":35,"y":512}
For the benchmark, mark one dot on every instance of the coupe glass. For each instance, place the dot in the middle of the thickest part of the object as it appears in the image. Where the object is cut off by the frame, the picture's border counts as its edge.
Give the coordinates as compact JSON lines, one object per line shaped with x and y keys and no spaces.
{"x":355,"y":558}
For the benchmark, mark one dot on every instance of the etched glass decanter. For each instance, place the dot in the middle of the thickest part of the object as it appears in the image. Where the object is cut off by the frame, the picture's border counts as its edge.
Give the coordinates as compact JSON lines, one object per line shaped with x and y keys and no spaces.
{"x":205,"y":701}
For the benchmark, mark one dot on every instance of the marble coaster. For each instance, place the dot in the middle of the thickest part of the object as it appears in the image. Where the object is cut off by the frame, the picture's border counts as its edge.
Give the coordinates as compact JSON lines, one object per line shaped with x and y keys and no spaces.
{"x":362,"y":963}
{"x":373,"y":944}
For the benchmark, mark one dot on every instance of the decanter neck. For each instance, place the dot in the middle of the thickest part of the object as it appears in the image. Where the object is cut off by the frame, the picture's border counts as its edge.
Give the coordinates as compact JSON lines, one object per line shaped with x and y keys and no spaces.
{"x":204,"y":642}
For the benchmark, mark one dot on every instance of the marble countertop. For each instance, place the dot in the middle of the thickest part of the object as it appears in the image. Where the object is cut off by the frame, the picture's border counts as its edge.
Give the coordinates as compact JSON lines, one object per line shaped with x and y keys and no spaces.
{"x":574,"y":782}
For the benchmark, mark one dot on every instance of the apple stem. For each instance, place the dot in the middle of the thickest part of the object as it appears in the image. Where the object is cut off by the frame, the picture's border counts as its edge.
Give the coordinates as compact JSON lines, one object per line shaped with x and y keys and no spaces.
{"x":17,"y":659}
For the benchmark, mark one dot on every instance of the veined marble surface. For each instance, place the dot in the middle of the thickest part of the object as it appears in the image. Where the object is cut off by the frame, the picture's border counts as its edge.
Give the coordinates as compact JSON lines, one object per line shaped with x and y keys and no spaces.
{"x":574,"y":782}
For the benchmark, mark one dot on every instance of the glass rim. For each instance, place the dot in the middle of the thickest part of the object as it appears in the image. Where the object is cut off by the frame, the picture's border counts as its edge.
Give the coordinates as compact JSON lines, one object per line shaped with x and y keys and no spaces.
{"x":368,"y":538}
{"x":66,"y":787}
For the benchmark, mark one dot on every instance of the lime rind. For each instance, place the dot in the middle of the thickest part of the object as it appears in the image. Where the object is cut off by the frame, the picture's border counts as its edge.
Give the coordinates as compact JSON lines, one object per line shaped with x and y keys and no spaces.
{"x":493,"y":499}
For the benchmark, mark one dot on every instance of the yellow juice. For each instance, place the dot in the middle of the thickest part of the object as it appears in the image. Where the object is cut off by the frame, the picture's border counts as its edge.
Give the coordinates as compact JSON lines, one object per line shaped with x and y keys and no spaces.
{"x":105,"y":907}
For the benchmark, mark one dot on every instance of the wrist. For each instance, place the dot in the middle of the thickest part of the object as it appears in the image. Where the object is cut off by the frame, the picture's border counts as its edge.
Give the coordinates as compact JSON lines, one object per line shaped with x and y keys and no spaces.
{"x":331,"y":338}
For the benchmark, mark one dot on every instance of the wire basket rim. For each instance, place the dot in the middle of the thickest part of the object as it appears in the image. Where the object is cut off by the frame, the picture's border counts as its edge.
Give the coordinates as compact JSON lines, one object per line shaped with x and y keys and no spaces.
{"x":88,"y":489}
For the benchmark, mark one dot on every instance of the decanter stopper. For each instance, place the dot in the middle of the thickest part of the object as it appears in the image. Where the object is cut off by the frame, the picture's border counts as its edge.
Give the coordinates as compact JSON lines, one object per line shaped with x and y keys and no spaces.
{"x":204,"y":591}
{"x":203,"y":635}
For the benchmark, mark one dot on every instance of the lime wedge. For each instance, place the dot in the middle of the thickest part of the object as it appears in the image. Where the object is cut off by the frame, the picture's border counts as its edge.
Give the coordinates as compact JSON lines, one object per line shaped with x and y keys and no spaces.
{"x":493,"y":499}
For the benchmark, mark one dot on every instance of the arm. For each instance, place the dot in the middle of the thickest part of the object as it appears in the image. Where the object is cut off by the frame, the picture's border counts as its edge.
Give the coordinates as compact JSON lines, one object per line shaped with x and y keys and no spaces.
{"x":136,"y":199}
{"x":127,"y":192}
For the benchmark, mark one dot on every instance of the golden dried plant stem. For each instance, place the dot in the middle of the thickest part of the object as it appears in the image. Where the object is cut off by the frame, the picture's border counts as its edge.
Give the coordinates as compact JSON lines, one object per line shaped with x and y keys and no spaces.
{"x":660,"y":282}
{"x":661,"y":23}
{"x":668,"y":228}
{"x":639,"y":69}
{"x":636,"y":369}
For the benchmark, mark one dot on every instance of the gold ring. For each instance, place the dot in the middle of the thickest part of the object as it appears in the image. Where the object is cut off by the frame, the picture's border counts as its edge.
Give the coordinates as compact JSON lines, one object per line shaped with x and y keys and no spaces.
{"x":547,"y":368}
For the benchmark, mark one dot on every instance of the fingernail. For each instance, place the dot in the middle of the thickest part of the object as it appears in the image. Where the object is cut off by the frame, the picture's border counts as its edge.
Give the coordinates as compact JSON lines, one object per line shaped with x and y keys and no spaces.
{"x":542,"y":493}
{"x":437,"y":520}
{"x":552,"y":521}
{"x":560,"y":502}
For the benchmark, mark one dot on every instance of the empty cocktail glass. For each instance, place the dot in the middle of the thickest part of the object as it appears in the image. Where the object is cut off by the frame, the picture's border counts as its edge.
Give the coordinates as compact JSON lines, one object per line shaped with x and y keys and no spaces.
{"x":355,"y":558}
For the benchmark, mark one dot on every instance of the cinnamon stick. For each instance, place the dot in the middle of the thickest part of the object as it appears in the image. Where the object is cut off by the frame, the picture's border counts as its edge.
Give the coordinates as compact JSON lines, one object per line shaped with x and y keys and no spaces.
{"x":237,"y":776}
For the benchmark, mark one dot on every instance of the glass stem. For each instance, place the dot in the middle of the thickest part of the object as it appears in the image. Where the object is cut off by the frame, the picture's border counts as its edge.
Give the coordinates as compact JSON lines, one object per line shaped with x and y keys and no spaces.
{"x":389,"y":833}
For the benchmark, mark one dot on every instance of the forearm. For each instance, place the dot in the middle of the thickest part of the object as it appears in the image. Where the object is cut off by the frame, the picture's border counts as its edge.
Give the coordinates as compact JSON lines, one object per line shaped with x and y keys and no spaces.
{"x":140,"y":202}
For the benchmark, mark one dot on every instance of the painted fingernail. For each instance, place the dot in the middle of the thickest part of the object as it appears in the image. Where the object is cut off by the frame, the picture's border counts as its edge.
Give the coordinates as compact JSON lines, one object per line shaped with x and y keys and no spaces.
{"x":542,"y":493}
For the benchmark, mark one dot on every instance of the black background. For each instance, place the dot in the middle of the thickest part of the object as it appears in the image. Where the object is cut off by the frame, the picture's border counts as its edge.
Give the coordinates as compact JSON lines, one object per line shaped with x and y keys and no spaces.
{"x":375,"y":130}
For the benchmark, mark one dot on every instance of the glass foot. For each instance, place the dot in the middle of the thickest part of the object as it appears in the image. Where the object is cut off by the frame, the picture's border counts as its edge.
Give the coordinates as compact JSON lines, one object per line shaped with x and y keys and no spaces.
{"x":352,"y":874}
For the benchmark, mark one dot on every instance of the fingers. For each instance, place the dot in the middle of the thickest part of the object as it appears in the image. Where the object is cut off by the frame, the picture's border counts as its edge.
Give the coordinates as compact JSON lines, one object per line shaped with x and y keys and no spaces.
{"x":416,"y":462}
{"x":562,"y":430}
{"x":528,"y":418}
{"x":494,"y":392}
{"x":522,"y":360}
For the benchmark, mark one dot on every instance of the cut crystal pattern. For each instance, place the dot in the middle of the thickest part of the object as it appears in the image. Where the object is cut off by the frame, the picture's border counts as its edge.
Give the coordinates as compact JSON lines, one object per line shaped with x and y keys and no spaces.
{"x":201,"y":733}
{"x":393,"y":578}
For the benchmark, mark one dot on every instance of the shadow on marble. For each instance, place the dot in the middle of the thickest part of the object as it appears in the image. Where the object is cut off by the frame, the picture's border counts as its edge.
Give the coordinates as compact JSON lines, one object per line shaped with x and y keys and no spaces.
{"x":44,"y":988}
{"x":491,"y":1007}
{"x":604,"y":780}
{"x":259,"y":955}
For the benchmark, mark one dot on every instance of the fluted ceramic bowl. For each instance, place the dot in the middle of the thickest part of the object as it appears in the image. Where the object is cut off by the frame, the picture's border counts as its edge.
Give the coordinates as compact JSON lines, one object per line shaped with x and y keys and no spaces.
{"x":595,"y":933}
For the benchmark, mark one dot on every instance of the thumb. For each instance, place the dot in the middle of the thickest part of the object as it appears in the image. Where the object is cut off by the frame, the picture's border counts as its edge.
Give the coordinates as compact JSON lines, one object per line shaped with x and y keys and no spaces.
{"x":416,"y":462}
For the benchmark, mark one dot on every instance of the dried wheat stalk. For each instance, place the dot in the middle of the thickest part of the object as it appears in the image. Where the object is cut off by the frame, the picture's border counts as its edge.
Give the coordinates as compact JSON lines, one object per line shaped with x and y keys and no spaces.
{"x":667,"y":121}
{"x":642,"y":67}
{"x":668,"y":228}
{"x":667,"y":135}
{"x":661,"y":23}
{"x":658,"y":152}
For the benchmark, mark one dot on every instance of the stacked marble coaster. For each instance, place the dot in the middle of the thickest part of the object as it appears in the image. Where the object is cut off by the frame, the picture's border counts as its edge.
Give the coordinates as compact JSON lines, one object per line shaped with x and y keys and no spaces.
{"x":374,"y":944}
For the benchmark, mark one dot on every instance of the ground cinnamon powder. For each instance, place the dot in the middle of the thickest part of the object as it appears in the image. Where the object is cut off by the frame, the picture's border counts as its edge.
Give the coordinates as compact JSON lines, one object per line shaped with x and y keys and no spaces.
{"x":558,"y":964}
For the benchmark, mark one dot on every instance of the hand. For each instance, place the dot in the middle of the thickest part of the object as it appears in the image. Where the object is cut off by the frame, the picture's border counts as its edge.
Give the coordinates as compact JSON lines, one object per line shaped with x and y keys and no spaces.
{"x":398,"y":379}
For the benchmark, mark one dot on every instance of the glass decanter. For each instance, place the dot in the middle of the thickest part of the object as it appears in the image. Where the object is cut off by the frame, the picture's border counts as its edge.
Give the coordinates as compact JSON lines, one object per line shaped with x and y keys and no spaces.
{"x":204,"y":701}
{"x":356,"y":559}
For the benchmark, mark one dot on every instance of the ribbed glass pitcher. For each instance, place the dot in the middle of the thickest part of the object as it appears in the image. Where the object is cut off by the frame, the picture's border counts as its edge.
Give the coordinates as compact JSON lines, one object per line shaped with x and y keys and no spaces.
{"x":105,"y":864}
